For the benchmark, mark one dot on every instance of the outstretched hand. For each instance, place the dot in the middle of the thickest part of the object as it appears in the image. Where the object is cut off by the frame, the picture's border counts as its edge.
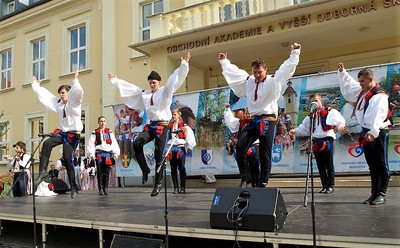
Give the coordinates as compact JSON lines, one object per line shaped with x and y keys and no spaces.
{"x":110,"y":75}
{"x":34,"y":80}
{"x":340,"y":66}
{"x":186,"y":57}
{"x":222,"y":56}
{"x":296,"y":46}
{"x":76,"y":74}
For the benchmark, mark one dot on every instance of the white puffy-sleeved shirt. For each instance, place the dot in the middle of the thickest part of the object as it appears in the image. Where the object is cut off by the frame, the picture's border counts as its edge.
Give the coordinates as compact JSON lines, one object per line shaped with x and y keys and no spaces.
{"x":231,"y":121}
{"x":136,"y":98}
{"x":351,"y":121}
{"x":268,"y":91}
{"x":113,"y":147}
{"x":374,"y":117}
{"x":17,"y":165}
{"x":189,"y":142}
{"x":334,"y":118}
{"x":72,"y":120}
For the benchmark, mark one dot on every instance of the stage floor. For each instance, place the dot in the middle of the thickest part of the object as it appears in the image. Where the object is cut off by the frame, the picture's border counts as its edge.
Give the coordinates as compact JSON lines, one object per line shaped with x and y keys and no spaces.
{"x":341,"y":220}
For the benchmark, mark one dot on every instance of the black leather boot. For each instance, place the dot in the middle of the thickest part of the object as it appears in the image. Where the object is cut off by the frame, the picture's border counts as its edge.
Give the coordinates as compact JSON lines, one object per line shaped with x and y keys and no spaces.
{"x":44,"y":161}
{"x":183,"y":184}
{"x":101,"y":191}
{"x":175,"y":183}
{"x":144,"y":167}
{"x":157,"y":185}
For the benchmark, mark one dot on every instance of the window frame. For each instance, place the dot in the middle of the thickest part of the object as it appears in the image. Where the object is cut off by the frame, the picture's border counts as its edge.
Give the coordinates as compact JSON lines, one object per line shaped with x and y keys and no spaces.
{"x":7,"y":143}
{"x":67,"y":36}
{"x":142,"y":19}
{"x":8,"y":70}
{"x":28,"y":132}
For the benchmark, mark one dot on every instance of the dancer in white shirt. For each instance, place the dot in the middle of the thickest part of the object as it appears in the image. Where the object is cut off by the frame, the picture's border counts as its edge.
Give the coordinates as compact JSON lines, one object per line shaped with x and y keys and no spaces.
{"x":262,"y":92}
{"x":156,"y":102}
{"x":68,"y":107}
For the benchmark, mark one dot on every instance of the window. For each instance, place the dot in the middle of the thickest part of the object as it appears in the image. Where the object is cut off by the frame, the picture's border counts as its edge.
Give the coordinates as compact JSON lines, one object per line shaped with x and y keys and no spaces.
{"x":149,"y":10}
{"x":36,"y":127}
{"x":39,"y":58}
{"x":77,"y":49}
{"x":4,"y":138}
{"x":238,"y":11}
{"x":10,"y":8}
{"x":6,"y":59}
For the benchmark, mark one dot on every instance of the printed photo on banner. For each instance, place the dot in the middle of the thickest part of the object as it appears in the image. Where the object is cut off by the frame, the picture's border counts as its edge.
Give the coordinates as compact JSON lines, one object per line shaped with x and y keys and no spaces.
{"x":214,"y":153}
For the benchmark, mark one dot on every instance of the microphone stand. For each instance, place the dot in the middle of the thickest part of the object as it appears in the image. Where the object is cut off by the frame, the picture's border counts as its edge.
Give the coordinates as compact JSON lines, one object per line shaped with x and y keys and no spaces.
{"x":164,"y":167}
{"x":310,"y":174}
{"x":33,"y":195}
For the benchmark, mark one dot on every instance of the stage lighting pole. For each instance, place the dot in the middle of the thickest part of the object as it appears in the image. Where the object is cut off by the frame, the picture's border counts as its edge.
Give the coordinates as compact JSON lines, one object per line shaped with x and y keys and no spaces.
{"x":32,"y":159}
{"x":310,"y":174}
{"x":164,"y":167}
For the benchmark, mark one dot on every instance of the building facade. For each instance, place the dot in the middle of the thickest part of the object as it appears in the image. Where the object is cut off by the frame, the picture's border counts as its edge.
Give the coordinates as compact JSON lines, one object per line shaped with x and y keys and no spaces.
{"x":51,"y":39}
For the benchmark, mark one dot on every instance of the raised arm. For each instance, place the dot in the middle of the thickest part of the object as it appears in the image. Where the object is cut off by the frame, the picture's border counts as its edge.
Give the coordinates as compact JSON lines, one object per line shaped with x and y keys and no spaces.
{"x":45,"y":97}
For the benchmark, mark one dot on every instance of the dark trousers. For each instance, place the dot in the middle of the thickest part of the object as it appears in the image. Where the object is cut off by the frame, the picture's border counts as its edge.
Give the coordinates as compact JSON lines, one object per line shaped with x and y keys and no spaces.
{"x":159,"y":143}
{"x":325,"y":166}
{"x":68,"y":154}
{"x":376,"y":154}
{"x":103,"y":174}
{"x":178,"y":164}
{"x":20,"y":184}
{"x":245,"y":139}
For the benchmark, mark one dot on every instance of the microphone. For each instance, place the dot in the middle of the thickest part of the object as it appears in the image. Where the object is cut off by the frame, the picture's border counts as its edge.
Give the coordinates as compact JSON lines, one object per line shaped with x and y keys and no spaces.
{"x":177,"y":131}
{"x":44,"y":135}
{"x":313,"y":107}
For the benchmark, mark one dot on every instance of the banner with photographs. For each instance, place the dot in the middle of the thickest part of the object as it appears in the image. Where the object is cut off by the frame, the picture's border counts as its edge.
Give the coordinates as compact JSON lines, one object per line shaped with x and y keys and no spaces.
{"x":215,"y":150}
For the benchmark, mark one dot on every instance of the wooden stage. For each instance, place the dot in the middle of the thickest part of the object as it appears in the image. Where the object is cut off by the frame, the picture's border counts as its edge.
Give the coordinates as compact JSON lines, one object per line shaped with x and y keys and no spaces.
{"x":341,"y":220}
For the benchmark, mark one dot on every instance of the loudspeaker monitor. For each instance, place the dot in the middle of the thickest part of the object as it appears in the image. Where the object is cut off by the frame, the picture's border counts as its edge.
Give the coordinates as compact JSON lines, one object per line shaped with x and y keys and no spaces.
{"x":60,"y":186}
{"x":123,"y":241}
{"x":257,"y":209}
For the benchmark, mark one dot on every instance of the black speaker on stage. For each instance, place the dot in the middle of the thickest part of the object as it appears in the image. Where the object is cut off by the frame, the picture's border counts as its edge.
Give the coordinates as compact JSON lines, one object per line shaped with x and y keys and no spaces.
{"x":256,"y":209}
{"x":123,"y":241}
{"x":60,"y":187}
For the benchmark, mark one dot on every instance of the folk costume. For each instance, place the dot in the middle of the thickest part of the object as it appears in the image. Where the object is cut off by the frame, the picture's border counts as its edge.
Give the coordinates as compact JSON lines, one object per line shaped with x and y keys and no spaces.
{"x":183,"y":142}
{"x":261,"y":99}
{"x":326,"y":120}
{"x":157,"y":105}
{"x":372,"y":112}
{"x":70,"y":128}
{"x":19,"y":166}
{"x":250,"y":173}
{"x":103,"y":146}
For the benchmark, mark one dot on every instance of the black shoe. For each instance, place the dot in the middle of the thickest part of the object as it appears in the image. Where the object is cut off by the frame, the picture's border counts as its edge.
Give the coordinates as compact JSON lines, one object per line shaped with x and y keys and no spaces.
{"x":156,"y":190}
{"x":329,"y":190}
{"x":105,"y":190}
{"x":323,"y":190}
{"x":262,"y":185}
{"x":73,"y":193}
{"x":101,"y":192}
{"x":176,"y":191}
{"x":145,"y":177}
{"x":380,"y":199}
{"x":370,"y":199}
{"x":183,"y":190}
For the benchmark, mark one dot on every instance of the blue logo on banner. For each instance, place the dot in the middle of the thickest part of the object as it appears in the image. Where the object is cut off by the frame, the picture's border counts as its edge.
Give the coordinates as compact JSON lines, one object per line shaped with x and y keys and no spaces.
{"x":206,"y":156}
{"x":276,"y":153}
{"x":150,"y":159}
